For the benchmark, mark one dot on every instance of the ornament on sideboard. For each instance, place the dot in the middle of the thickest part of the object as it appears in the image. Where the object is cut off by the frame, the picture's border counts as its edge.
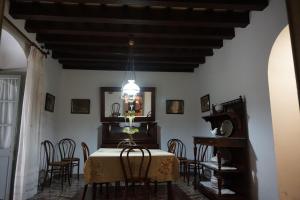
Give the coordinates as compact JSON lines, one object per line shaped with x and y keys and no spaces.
{"x":214,"y":132}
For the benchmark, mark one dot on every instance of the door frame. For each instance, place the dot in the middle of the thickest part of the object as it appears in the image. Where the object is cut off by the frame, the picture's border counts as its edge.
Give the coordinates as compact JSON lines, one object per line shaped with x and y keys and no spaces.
{"x":15,"y":136}
{"x":293,"y":11}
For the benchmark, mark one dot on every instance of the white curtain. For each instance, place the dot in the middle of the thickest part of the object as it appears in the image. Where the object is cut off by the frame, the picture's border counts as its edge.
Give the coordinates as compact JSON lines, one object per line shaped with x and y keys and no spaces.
{"x":8,"y":100}
{"x":27,"y":169}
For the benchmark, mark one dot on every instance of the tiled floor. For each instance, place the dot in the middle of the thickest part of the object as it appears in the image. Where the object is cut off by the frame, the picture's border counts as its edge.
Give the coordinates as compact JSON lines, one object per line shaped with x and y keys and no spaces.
{"x":180,"y":188}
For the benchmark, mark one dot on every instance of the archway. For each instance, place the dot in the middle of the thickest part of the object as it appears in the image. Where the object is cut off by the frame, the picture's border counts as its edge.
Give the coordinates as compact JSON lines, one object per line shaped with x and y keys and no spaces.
{"x":285,"y":115}
{"x":12,"y":55}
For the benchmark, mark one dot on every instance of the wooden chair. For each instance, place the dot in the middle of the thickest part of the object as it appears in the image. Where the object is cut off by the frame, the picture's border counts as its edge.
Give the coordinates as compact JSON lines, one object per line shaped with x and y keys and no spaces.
{"x":179,"y":150}
{"x":67,"y":148}
{"x":201,"y":156}
{"x":140,"y":173}
{"x":61,"y":167}
{"x":86,"y":154}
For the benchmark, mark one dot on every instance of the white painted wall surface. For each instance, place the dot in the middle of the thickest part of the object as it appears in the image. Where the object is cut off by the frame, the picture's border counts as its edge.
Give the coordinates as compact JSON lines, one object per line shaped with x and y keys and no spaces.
{"x":240,"y":68}
{"x":86,"y":84}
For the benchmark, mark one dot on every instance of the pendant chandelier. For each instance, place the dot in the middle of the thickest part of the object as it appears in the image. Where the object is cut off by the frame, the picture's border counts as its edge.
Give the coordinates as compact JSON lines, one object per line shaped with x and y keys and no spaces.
{"x":129,"y":88}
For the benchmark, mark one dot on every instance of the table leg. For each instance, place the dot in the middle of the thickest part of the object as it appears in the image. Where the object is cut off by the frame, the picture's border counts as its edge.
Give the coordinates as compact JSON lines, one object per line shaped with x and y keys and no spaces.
{"x":170,"y":193}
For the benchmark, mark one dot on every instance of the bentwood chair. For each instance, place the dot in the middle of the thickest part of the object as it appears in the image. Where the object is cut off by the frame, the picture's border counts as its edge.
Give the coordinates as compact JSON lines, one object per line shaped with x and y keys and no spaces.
{"x":52,"y":166}
{"x":86,"y":154}
{"x":135,"y":171}
{"x":179,"y":150}
{"x":201,"y":156}
{"x":67,"y":148}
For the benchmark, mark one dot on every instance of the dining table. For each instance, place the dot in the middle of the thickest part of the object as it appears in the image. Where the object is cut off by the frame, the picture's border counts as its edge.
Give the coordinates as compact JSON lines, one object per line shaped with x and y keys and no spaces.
{"x":104,"y":166}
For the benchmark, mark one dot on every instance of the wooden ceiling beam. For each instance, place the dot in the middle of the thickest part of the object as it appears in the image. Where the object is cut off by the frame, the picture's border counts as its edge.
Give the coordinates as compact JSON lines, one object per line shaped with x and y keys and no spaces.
{"x":207,"y":4}
{"x":137,"y":61}
{"x":120,"y":66}
{"x":137,"y":52}
{"x":49,"y":39}
{"x":126,"y":31}
{"x":127,"y":15}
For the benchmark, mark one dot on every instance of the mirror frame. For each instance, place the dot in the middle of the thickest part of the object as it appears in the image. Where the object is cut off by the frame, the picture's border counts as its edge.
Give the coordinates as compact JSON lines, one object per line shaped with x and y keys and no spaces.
{"x":121,"y":119}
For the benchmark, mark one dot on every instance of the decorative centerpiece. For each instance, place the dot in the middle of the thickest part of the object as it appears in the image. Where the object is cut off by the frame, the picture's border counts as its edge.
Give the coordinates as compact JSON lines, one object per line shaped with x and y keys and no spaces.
{"x":130,"y":130}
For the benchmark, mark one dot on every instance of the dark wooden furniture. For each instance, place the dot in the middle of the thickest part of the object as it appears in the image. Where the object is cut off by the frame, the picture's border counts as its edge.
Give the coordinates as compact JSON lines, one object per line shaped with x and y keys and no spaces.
{"x":136,"y":171}
{"x":179,"y":151}
{"x":53,"y":166}
{"x":86,"y":154}
{"x":147,"y":136}
{"x":236,"y":175}
{"x":201,"y":156}
{"x":67,"y":148}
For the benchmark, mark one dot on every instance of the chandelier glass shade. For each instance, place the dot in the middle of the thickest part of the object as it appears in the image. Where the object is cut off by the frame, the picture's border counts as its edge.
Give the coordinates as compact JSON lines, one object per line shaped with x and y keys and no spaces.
{"x":130,"y":89}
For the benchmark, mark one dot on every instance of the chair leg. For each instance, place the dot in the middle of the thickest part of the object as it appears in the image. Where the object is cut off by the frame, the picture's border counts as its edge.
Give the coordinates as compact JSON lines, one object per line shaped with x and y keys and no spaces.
{"x":62,"y":169}
{"x":84,"y":192}
{"x":155,"y":187}
{"x":107,"y":190}
{"x":68,"y":174}
{"x":188,"y":175}
{"x":94,"y":190}
{"x":78,"y":166}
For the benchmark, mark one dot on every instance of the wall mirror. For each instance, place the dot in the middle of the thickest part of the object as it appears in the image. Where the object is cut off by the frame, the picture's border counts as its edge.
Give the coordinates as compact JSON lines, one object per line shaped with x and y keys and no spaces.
{"x":113,"y":107}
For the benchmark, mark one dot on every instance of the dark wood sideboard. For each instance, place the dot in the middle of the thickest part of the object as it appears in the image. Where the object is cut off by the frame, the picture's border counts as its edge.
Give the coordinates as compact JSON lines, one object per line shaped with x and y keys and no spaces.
{"x":236,"y":179}
{"x":147,"y":136}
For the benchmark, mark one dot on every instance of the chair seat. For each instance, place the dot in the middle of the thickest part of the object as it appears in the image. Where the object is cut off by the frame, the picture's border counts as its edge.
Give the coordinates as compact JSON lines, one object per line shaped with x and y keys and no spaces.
{"x":59,"y":163}
{"x":74,"y":159}
{"x":182,"y":158}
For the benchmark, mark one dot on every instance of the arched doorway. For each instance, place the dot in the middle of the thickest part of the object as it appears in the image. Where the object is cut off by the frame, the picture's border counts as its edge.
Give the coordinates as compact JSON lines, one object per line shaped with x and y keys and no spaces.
{"x":285,"y":116}
{"x":12,"y":57}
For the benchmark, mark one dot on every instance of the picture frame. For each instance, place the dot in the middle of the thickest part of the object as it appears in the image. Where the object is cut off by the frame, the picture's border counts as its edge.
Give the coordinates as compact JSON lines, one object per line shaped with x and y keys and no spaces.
{"x":205,"y":103}
{"x":49,"y":102}
{"x":80,"y":106}
{"x":174,"y":106}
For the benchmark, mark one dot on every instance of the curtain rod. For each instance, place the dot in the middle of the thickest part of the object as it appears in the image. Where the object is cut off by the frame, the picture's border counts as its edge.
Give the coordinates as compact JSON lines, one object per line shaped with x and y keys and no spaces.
{"x":24,"y":36}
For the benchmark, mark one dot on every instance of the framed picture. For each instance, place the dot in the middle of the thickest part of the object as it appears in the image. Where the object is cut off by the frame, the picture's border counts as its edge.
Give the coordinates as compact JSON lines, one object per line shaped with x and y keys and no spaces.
{"x":49,"y":103}
{"x":174,"y":106}
{"x":80,"y":106}
{"x":205,"y":103}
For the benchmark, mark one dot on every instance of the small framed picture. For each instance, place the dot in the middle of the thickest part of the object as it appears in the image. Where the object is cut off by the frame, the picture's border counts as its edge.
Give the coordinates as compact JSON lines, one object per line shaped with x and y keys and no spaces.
{"x":50,"y":102}
{"x":205,"y":103}
{"x":174,"y":106}
{"x":80,"y":106}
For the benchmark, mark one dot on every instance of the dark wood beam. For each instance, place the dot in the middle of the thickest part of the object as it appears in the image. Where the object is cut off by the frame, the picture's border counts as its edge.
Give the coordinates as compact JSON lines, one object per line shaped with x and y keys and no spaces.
{"x":140,"y":60}
{"x":123,"y":42}
{"x":126,"y":31}
{"x":87,"y":55}
{"x":127,"y":15}
{"x":122,"y":67}
{"x":88,"y":51}
{"x":207,"y":4}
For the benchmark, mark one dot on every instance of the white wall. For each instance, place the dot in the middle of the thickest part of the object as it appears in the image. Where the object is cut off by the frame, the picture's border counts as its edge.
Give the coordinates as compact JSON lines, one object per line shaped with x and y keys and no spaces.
{"x":285,"y":115}
{"x":240,"y":68}
{"x":52,"y":72}
{"x":86,"y":84}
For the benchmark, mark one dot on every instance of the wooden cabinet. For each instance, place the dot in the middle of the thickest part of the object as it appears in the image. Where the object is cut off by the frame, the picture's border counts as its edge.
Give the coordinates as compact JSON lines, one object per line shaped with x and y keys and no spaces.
{"x":234,"y":176}
{"x":112,"y":134}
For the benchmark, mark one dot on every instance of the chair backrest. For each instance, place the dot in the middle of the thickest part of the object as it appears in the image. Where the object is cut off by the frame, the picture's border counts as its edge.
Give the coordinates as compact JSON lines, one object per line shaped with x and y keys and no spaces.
{"x":202,"y":155}
{"x":85,"y":150}
{"x":135,"y":169}
{"x":49,"y":150}
{"x":172,"y":147}
{"x":66,"y":148}
{"x":180,"y":149}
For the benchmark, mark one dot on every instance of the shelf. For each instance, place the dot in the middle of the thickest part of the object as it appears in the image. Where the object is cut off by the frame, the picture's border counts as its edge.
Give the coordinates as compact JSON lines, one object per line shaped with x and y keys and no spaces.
{"x":222,"y":141}
{"x":220,"y":115}
{"x":224,"y":169}
{"x":208,"y":190}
